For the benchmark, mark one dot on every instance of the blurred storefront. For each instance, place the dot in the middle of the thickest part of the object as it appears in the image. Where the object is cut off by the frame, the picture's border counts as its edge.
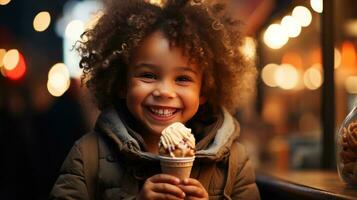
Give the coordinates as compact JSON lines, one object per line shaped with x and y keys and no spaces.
{"x":292,"y":87}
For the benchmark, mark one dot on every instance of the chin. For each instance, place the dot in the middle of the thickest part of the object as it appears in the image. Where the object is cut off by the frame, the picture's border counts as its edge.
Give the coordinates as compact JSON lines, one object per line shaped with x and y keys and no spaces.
{"x":156,"y":131}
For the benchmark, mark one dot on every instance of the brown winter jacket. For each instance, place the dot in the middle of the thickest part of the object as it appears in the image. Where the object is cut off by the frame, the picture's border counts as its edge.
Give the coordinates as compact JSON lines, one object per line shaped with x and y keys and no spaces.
{"x":123,"y":166}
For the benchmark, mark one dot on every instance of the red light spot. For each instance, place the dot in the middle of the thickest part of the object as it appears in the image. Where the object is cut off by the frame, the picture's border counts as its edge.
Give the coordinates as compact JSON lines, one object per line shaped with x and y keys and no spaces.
{"x":19,"y":71}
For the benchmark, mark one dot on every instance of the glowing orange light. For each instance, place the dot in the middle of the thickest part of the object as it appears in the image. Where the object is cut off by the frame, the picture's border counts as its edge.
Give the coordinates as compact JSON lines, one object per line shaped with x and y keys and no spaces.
{"x":348,"y":54}
{"x":19,"y":71}
{"x":292,"y":58}
{"x":316,"y":56}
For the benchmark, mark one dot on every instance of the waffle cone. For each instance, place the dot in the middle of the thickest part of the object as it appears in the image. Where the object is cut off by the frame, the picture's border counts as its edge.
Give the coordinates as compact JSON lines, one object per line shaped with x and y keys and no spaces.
{"x":179,"y":167}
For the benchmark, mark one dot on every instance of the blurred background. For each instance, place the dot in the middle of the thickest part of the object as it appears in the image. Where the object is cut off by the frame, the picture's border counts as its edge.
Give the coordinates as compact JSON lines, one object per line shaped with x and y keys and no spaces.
{"x":307,"y":84}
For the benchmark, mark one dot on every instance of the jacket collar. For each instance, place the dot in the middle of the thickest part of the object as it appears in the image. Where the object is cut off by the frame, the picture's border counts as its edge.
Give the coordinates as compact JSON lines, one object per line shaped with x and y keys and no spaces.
{"x":113,"y":126}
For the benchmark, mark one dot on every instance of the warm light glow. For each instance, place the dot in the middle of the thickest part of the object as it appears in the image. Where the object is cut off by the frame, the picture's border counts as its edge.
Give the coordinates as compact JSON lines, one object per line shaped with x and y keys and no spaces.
{"x":292,"y":58}
{"x":157,"y":2}
{"x":58,"y":80}
{"x":18,"y":71}
{"x":275,"y":36}
{"x":348,"y":54}
{"x":57,"y":85}
{"x":315,"y":55}
{"x":337,"y":58}
{"x":268,"y":74}
{"x":93,"y":20}
{"x":287,"y":77}
{"x":58,"y":68}
{"x":41,"y":21}
{"x":317,"y":5}
{"x":351,"y":84}
{"x":4,"y":2}
{"x":2,"y":54}
{"x":350,"y":27}
{"x":2,"y":71}
{"x":74,"y":30}
{"x":11,"y":59}
{"x":291,"y":26}
{"x":249,"y":47}
{"x":302,"y":15}
{"x":313,"y":77}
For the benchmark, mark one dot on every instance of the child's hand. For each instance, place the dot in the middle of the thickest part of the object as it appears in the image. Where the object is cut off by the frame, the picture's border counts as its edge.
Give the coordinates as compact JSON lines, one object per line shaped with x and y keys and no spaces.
{"x":193,"y":189}
{"x":161,"y":186}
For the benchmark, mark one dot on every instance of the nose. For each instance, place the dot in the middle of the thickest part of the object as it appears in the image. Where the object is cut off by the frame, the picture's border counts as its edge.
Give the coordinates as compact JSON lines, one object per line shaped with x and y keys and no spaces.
{"x":164,"y":89}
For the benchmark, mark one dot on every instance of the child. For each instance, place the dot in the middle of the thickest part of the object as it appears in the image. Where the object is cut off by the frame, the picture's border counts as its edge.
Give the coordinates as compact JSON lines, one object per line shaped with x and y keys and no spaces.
{"x":149,"y":66}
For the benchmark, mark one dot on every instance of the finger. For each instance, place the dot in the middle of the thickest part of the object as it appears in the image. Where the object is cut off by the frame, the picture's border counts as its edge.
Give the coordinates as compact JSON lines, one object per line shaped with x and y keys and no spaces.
{"x":193,"y":198}
{"x":169,"y":189}
{"x":193,"y":191}
{"x":193,"y":187}
{"x":158,"y":196}
{"x":165,"y":178}
{"x":191,"y":181}
{"x":161,"y":196}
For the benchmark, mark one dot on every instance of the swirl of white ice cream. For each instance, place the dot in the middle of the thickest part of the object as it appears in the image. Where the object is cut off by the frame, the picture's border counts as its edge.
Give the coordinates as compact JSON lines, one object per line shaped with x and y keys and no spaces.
{"x":175,"y":136}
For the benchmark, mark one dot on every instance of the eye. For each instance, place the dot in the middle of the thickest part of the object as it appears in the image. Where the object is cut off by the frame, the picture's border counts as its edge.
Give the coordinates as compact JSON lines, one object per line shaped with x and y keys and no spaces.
{"x":148,"y":75}
{"x":184,"y":78}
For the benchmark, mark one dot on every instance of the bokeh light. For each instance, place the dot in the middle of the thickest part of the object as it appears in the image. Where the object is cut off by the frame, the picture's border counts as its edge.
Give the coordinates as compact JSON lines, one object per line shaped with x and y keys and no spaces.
{"x":291,"y":26}
{"x":313,"y":77}
{"x":302,"y":15}
{"x":18,"y":71}
{"x":74,"y":30}
{"x":275,"y":36}
{"x":286,"y":76}
{"x":2,"y":54}
{"x":2,"y":71}
{"x":350,"y":27}
{"x":4,"y":2}
{"x":157,"y":2}
{"x":11,"y":59}
{"x":41,"y":21}
{"x":58,"y":79}
{"x":317,"y":5}
{"x":351,"y":84}
{"x":268,"y":74}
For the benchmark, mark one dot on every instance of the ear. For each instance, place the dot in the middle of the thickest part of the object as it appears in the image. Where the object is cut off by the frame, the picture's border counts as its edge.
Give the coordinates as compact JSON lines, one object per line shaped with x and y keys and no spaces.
{"x":203,"y":99}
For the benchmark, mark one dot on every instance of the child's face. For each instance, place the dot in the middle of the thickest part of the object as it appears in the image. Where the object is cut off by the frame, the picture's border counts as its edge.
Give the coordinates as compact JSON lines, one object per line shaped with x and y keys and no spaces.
{"x":162,"y":87}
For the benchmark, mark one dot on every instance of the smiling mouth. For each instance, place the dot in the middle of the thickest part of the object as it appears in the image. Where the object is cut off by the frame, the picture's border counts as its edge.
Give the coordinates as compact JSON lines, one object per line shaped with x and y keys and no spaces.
{"x":162,"y":112}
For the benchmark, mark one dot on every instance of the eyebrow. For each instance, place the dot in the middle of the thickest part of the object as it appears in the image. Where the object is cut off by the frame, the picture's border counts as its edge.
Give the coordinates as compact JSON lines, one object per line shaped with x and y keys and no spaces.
{"x":179,"y":68}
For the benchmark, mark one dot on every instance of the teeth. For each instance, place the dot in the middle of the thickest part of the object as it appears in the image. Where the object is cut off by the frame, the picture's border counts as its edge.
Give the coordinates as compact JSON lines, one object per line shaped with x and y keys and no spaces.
{"x":163,"y":112}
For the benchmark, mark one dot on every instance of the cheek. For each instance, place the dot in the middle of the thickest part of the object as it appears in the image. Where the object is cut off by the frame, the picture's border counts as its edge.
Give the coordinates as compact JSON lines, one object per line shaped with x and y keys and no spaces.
{"x":135,"y":88}
{"x":134,"y":94}
{"x":192,"y":98}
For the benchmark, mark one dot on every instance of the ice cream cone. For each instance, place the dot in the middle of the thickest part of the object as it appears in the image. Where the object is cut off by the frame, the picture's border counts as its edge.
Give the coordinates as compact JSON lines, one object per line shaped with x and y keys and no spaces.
{"x":178,"y":166}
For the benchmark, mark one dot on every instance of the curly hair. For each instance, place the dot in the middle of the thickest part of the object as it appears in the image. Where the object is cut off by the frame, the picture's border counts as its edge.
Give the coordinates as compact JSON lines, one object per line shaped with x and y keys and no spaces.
{"x":207,"y":35}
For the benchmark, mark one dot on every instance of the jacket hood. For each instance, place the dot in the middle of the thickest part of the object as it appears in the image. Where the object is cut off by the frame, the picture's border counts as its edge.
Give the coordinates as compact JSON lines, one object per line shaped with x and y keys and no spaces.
{"x":112,"y":126}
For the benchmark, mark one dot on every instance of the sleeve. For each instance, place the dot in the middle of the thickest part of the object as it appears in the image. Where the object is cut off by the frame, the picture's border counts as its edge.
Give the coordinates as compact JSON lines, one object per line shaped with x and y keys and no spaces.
{"x":70,"y":184}
{"x":244,"y":186}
